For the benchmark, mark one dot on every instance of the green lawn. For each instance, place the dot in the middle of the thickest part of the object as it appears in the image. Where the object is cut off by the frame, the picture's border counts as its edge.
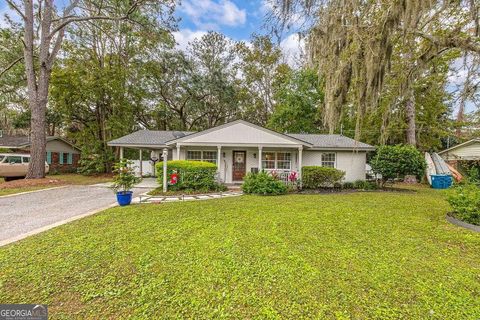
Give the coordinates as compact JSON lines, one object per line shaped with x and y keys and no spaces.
{"x":9,"y":191}
{"x":376,"y":255}
{"x":78,"y":179}
{"x":22,"y":185}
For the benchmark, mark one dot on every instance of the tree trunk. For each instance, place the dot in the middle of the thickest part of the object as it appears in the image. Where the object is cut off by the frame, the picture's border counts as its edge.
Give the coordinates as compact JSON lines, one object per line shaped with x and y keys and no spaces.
{"x":410,"y":115}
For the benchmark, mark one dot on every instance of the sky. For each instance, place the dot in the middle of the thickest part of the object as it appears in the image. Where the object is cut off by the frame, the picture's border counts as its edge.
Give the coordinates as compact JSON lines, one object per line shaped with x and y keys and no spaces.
{"x":236,"y":19}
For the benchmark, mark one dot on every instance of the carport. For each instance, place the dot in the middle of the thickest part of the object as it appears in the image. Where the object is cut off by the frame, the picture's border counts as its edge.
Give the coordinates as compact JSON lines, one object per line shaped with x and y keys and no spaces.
{"x":150,"y":141}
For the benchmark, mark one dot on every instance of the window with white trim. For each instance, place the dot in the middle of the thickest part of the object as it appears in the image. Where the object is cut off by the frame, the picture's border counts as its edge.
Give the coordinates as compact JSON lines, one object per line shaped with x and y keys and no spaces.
{"x":328,"y":160}
{"x":196,"y":155}
{"x":210,"y":156}
{"x":276,"y":160}
{"x":268,"y":160}
{"x":284,"y":160}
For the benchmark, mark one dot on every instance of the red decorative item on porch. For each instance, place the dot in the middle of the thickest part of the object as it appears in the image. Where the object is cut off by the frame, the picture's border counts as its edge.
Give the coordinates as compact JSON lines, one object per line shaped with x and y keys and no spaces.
{"x":174,"y":178}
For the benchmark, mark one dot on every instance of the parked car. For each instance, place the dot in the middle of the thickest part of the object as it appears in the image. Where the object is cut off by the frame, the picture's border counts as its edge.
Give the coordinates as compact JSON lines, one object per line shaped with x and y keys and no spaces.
{"x":15,"y":166}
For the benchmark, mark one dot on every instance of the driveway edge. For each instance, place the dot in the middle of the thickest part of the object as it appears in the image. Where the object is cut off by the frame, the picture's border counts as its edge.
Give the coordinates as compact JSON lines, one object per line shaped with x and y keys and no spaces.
{"x":53,"y":225}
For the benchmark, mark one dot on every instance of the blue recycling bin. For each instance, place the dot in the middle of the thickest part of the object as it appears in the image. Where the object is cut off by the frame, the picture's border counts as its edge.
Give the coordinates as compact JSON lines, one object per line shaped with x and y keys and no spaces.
{"x":441,"y":181}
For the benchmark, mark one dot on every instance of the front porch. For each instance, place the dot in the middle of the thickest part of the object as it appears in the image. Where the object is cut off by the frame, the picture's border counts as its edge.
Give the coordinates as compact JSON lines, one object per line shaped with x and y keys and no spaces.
{"x":234,"y":162}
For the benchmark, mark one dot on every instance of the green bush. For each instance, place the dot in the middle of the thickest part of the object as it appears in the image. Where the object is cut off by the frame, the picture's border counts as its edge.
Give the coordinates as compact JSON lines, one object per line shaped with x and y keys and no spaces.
{"x":263,"y":183}
{"x":465,"y":201}
{"x":364,"y":185}
{"x":192,"y":175}
{"x":348,"y":185}
{"x":398,"y":161}
{"x":359,"y":184}
{"x":315,"y":177}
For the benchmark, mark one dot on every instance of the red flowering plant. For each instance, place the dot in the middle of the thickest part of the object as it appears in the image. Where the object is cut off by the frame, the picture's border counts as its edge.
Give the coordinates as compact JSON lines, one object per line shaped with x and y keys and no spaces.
{"x":293,"y":181}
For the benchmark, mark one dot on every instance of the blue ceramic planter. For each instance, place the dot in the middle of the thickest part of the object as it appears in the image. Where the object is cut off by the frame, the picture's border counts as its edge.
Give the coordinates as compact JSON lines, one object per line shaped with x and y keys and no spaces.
{"x":124,"y":198}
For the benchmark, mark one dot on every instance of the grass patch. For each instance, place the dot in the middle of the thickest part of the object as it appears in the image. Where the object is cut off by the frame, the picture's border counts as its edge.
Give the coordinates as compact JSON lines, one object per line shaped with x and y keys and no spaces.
{"x":50,"y":181}
{"x":78,"y":179}
{"x":377,"y":255}
{"x":9,"y":191}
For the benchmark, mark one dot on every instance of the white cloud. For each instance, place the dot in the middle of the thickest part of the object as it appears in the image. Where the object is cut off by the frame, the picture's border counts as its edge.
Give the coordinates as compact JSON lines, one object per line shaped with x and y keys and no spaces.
{"x":293,"y":48}
{"x":184,"y":36}
{"x":209,"y":14}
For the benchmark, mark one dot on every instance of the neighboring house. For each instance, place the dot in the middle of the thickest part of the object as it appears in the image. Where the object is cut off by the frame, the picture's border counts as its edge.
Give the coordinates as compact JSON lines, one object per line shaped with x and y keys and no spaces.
{"x":62,"y":156}
{"x":239,"y":147}
{"x":467,"y":151}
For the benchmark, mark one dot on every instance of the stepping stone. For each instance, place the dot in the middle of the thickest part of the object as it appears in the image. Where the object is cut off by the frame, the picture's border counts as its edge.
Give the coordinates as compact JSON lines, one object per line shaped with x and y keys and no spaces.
{"x":203,"y":197}
{"x":189,"y":198}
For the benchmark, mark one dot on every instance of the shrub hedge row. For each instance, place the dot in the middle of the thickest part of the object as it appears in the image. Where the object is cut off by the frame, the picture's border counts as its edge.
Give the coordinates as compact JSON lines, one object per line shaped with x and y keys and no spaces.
{"x":191,"y":175}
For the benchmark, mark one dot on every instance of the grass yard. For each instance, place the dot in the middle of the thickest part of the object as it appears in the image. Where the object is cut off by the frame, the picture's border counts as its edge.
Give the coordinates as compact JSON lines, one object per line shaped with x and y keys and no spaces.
{"x":50,"y":181}
{"x":376,"y":255}
{"x":78,"y":179}
{"x":9,"y":191}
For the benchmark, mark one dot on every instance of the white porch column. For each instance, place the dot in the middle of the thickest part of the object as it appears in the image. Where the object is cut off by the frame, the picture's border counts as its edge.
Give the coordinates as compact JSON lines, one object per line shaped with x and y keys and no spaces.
{"x":121,"y":153}
{"x":178,"y":151}
{"x":300,"y":150}
{"x":165,"y":156}
{"x":219,"y":159}
{"x":141,"y":162}
{"x":260,"y":158}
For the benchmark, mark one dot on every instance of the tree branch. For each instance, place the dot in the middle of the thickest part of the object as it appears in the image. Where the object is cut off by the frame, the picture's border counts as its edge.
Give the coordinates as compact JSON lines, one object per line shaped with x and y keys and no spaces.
{"x":17,"y":9}
{"x":10,"y":66}
{"x":450,"y":42}
{"x":67,"y":21}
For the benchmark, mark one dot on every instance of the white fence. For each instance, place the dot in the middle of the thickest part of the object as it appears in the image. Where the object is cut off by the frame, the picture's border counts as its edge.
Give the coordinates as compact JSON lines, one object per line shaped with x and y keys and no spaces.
{"x":147,"y":167}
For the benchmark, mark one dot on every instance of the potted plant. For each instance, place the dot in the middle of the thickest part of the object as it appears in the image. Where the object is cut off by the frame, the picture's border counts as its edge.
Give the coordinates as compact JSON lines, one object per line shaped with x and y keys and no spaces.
{"x":123,"y":181}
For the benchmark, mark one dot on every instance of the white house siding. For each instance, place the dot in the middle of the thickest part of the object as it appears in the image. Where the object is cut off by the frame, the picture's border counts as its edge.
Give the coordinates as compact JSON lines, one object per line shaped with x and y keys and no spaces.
{"x":467,"y":152}
{"x":351,"y":162}
{"x":239,"y":133}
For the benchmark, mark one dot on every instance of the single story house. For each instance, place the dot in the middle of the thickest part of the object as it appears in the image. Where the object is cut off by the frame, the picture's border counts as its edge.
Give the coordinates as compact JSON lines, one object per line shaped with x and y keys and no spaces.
{"x":62,"y":156}
{"x":239,"y":147}
{"x":467,"y":151}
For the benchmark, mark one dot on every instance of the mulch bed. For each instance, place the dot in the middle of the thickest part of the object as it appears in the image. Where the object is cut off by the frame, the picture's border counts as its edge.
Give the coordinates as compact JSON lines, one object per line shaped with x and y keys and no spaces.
{"x":22,"y":183}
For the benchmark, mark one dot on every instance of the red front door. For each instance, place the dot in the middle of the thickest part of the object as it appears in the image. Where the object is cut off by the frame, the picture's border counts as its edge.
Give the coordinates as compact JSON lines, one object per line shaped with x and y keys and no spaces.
{"x":239,"y":167}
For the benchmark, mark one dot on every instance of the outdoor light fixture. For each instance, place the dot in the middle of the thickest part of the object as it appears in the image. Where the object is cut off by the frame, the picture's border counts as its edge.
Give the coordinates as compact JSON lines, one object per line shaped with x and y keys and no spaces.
{"x":254,"y":156}
{"x":224,"y":154}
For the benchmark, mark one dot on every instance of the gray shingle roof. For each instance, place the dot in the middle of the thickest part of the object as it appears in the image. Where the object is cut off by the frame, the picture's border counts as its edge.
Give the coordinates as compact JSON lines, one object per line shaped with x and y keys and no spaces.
{"x":333,"y":141}
{"x":148,"y":137}
{"x":14,"y":141}
{"x":158,"y":138}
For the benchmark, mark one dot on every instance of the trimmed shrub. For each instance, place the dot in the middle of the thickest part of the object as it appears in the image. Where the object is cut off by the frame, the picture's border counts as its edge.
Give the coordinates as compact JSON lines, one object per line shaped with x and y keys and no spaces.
{"x":263,"y":183}
{"x":316,"y":177}
{"x":465,"y":201}
{"x":397,"y":162}
{"x":348,"y":185}
{"x":189,"y":175}
{"x":359,"y":184}
{"x":364,"y":185}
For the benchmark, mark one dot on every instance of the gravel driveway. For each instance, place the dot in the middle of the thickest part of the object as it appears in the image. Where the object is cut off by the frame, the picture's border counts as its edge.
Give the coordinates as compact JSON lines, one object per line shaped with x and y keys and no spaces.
{"x":27,"y":212}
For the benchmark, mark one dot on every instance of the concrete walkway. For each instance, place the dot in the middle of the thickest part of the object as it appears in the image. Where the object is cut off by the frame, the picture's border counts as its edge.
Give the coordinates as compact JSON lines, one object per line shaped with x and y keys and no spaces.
{"x":145,"y":198}
{"x":24,"y":214}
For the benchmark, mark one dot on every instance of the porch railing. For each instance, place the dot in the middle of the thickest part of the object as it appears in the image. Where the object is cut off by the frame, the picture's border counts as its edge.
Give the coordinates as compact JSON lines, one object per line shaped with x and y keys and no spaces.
{"x":286,"y":176}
